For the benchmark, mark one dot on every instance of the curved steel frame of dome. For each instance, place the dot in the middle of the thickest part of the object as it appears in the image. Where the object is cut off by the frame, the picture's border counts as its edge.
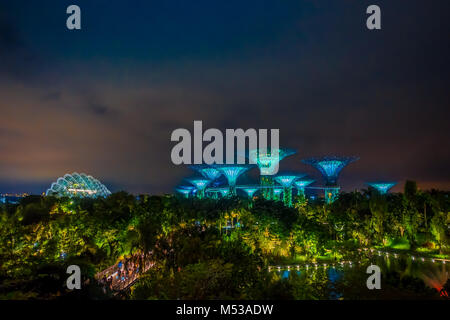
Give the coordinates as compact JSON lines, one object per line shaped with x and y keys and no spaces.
{"x":78,"y":185}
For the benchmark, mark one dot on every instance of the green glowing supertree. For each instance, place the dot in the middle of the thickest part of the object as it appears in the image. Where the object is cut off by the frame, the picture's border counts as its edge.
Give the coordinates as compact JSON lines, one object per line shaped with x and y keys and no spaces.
{"x":301,"y":184}
{"x":286,"y":180}
{"x":250,"y":192}
{"x":268,"y":162}
{"x":276,"y":193}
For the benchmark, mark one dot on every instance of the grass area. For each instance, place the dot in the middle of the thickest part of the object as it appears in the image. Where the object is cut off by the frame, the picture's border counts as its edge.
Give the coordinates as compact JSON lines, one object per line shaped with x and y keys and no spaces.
{"x":399,"y":244}
{"x":402,"y":246}
{"x":328,"y":257}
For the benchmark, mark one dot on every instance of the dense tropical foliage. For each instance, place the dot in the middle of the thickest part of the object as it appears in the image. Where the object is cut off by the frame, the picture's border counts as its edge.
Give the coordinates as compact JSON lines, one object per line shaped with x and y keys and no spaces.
{"x":209,"y":249}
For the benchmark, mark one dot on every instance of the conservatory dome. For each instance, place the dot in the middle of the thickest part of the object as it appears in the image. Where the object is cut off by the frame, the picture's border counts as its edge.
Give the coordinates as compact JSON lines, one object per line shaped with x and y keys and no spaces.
{"x":78,"y":185}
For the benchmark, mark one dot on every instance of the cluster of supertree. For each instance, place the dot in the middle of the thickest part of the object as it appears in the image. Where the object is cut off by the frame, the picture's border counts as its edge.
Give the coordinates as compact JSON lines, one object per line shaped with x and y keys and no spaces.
{"x":272,"y":186}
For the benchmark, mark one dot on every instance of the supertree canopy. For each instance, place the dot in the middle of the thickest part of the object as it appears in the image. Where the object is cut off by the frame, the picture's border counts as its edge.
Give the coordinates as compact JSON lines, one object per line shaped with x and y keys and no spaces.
{"x":330,"y":167}
{"x":268,"y":161}
{"x":250,"y":191}
{"x":207,"y":171}
{"x":200,"y":184}
{"x":276,"y":193}
{"x":286,"y":180}
{"x":185,"y":190}
{"x":301,"y":184}
{"x":382,"y":187}
{"x":79,"y":185}
{"x":232,"y":172}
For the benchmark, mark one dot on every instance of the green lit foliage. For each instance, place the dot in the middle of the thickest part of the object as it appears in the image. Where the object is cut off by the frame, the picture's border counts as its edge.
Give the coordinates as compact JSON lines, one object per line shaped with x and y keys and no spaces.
{"x":224,"y":243}
{"x":198,"y":263}
{"x":440,"y":230}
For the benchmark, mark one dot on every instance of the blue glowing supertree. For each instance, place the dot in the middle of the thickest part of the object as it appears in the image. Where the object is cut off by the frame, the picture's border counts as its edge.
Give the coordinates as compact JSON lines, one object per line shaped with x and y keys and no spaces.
{"x":250,"y":191}
{"x":268,"y":161}
{"x":382,"y":187}
{"x":286,"y":180}
{"x":208,"y":172}
{"x":330,"y":167}
{"x":185,"y":190}
{"x":224,"y":192}
{"x":301,"y":184}
{"x":200,"y":184}
{"x":232,"y":172}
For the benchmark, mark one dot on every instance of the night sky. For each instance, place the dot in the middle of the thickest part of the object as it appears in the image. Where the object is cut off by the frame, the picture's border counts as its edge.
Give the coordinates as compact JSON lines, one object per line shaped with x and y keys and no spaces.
{"x":104,"y":100}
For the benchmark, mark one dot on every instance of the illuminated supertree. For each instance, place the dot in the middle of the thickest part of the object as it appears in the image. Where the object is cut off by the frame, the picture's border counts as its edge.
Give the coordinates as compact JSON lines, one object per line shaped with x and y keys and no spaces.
{"x":301,"y":184}
{"x":200,"y":184}
{"x":276,"y":193}
{"x":268,"y":162}
{"x":232,"y":172}
{"x":208,"y":172}
{"x":224,"y":192}
{"x":382,"y":187}
{"x":330,"y":167}
{"x":250,"y":191}
{"x":185,"y":190}
{"x":286,"y":180}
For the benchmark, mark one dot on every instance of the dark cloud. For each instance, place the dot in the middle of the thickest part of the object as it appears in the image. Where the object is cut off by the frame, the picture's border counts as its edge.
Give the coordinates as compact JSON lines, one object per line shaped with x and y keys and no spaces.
{"x":99,"y":110}
{"x":9,"y":39}
{"x":52,"y":96}
{"x":105,"y":102}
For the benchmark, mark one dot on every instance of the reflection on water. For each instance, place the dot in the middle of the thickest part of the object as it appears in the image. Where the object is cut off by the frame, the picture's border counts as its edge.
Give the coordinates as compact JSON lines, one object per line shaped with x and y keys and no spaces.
{"x":333,"y":277}
{"x":401,"y":277}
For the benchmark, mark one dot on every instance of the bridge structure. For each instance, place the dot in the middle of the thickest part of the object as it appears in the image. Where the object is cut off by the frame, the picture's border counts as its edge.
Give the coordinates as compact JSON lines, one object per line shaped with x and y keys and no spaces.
{"x":125,"y":273}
